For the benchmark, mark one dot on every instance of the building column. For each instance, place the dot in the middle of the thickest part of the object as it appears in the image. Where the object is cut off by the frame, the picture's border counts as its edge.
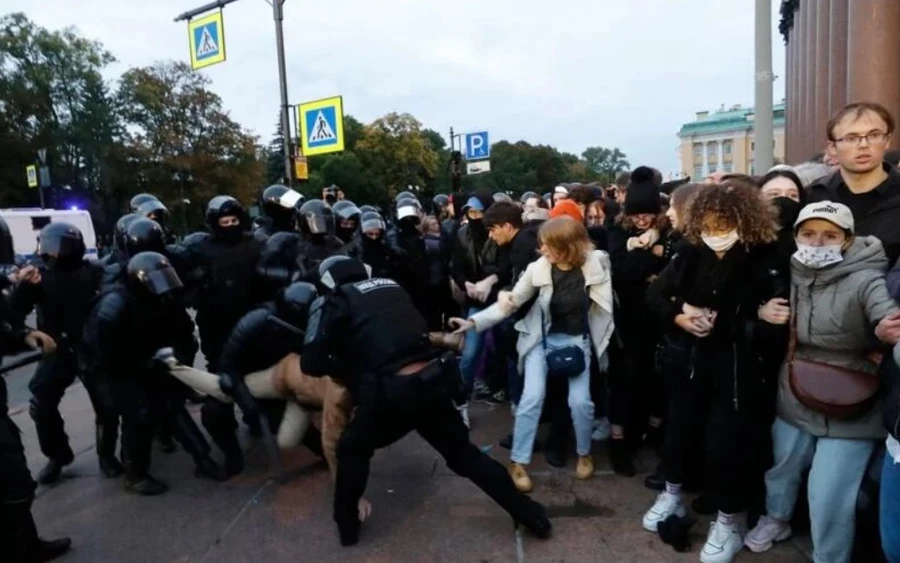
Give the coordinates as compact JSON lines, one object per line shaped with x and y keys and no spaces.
{"x":837,"y":64}
{"x":873,"y":44}
{"x":797,"y":70}
{"x":800,"y":30}
{"x":809,"y":99}
{"x":823,"y":55}
{"x":788,"y":101}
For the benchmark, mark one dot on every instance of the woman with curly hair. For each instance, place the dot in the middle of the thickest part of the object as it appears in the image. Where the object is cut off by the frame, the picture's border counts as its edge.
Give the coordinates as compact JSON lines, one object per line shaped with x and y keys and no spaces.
{"x":715,"y":290}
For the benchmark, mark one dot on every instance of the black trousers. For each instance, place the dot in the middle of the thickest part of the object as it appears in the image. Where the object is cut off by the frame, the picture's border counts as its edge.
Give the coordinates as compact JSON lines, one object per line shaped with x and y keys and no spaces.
{"x":378,"y":425}
{"x":733,"y":441}
{"x":18,"y":535}
{"x":48,"y":385}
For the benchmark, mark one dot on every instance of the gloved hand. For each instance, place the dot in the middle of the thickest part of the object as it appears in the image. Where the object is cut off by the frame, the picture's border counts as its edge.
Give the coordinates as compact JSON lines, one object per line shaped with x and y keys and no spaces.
{"x":235,"y":387}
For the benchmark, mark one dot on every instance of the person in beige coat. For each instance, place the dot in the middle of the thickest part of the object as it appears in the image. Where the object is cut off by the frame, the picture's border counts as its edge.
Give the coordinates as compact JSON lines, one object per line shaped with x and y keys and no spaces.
{"x":838,"y":295}
{"x":573,"y":308}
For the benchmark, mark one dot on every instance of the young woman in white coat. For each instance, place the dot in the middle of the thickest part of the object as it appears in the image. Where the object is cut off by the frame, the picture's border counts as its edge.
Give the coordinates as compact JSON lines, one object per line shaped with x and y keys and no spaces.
{"x":572,"y":290}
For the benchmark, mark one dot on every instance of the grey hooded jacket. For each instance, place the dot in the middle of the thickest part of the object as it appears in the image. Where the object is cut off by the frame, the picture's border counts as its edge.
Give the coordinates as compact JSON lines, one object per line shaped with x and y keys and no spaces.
{"x":837,"y":308}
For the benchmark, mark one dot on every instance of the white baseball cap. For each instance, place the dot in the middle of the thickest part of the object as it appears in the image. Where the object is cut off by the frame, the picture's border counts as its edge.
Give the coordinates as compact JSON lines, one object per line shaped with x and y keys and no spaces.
{"x":833,"y":212}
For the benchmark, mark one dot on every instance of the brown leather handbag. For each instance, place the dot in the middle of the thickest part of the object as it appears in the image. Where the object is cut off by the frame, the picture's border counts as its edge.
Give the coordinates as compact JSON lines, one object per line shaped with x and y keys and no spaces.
{"x":836,"y":392}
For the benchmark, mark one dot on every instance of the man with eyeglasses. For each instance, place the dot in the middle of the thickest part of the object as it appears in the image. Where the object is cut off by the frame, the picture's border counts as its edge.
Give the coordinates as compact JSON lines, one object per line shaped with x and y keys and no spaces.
{"x":858,"y":137}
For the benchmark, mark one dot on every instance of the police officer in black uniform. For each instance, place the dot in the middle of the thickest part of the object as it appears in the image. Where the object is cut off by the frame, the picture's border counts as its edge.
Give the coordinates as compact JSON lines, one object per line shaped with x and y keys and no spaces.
{"x":371,"y":248}
{"x":347,"y":216}
{"x":291,"y":257}
{"x":279,"y":206}
{"x":228,"y":285}
{"x":8,"y":266}
{"x":407,"y":242}
{"x":128,"y":325}
{"x":367,"y":334}
{"x":157,"y":211}
{"x":19,"y":539}
{"x":62,"y":292}
{"x":260,"y":339}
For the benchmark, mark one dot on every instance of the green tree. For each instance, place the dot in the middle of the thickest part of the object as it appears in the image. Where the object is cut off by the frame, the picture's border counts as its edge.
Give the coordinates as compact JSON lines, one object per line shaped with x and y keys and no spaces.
{"x":605,"y":162}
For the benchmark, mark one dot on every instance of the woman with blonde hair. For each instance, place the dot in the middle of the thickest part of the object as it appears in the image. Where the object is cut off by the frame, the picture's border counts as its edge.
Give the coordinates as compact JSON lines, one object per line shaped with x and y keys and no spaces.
{"x":571,"y":318}
{"x":720,"y":290}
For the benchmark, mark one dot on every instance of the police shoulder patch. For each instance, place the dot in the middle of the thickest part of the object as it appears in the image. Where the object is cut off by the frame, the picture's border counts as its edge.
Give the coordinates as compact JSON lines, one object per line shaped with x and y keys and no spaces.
{"x":376,"y":283}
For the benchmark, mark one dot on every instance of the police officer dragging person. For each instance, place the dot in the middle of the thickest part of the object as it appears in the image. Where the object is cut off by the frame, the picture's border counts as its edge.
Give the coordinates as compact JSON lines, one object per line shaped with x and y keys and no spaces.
{"x":279,"y":207}
{"x":62,"y":289}
{"x":19,"y":539}
{"x":366,"y":334}
{"x":259,"y":341}
{"x":126,"y":327}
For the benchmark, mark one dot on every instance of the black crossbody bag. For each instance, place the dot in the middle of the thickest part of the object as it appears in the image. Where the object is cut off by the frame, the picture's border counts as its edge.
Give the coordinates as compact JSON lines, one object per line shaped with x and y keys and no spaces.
{"x":567,"y":362}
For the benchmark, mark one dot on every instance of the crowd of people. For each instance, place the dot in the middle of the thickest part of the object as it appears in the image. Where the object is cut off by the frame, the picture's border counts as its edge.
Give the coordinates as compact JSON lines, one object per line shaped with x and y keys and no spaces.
{"x":743,"y":328}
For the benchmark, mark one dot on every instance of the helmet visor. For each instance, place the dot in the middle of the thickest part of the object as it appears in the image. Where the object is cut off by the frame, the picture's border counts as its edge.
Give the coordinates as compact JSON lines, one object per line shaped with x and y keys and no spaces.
{"x":320,"y":224}
{"x":61,"y":247}
{"x":160,"y":282}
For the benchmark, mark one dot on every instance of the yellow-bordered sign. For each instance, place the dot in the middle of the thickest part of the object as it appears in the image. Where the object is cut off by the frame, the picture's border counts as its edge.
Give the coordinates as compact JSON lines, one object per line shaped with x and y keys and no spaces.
{"x":321,"y":126}
{"x":206,"y":37}
{"x":31,"y":174}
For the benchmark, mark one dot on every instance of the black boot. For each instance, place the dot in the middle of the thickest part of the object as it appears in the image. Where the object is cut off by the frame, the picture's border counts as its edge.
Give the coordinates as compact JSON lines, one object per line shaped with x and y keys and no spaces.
{"x":107,"y":433}
{"x":208,"y":469}
{"x":656,"y":481}
{"x":234,"y":463}
{"x":48,"y":550}
{"x":51,"y":472}
{"x":143,"y":483}
{"x":25,"y":545}
{"x":534,"y":517}
{"x":137,"y":442}
{"x":620,"y":457}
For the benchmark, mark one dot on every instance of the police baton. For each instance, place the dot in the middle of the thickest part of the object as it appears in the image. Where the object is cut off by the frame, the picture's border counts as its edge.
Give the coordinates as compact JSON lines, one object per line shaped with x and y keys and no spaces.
{"x":21,"y":361}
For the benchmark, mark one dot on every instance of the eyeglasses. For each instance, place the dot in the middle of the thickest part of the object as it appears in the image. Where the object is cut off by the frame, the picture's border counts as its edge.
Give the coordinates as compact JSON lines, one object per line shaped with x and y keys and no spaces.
{"x":873,"y":137}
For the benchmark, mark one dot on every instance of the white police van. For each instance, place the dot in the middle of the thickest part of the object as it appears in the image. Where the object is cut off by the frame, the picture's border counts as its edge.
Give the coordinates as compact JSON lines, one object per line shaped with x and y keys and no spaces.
{"x":25,"y":225}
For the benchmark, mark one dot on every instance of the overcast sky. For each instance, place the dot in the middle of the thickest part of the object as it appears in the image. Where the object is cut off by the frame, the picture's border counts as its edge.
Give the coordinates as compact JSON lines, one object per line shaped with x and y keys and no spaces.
{"x":570,"y":73}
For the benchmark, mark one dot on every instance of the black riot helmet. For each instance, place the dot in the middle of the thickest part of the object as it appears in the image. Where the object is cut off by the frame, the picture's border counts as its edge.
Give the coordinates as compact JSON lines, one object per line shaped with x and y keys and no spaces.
{"x":144,"y":235}
{"x":7,"y":253}
{"x":293,"y":302}
{"x":405,"y":195}
{"x":316,"y":218}
{"x":122,"y":228}
{"x":526,"y":196}
{"x":346,"y":209}
{"x":439,"y":203}
{"x":225,"y":206}
{"x":279,"y":204}
{"x":139,"y":200}
{"x":370,"y":220}
{"x":194,"y":238}
{"x":150,"y":278}
{"x":336,"y":271}
{"x":408,"y":210}
{"x":504,"y":197}
{"x":368,"y":208}
{"x":155,"y":210}
{"x":61,"y":246}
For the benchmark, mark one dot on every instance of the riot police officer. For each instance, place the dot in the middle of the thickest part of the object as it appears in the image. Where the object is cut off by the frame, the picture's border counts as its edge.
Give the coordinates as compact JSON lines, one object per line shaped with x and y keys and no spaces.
{"x":371,"y":248}
{"x":347,"y":219}
{"x":279,"y":206}
{"x":224,"y":267}
{"x":62,"y":292}
{"x":157,"y":211}
{"x":407,"y":241}
{"x":8,"y":266}
{"x":260,"y":339}
{"x":127,"y":326}
{"x":18,"y":534}
{"x":367,"y":334}
{"x":139,"y":200}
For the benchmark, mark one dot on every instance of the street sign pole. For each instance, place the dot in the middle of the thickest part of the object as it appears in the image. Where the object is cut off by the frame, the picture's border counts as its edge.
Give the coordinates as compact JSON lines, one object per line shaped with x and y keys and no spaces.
{"x":278,"y":14}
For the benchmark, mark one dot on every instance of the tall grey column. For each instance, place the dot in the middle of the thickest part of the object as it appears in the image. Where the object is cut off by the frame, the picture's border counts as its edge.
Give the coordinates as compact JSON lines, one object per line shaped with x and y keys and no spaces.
{"x":764,"y":150}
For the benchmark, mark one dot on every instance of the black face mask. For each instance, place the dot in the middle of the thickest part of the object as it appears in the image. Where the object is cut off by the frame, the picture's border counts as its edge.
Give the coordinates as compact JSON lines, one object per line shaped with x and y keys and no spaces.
{"x":231,"y":235}
{"x":477,"y":228}
{"x":788,"y":211}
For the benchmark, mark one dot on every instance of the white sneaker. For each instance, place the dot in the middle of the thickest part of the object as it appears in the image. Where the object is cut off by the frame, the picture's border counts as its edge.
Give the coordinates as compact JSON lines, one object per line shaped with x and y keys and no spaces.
{"x":767,"y":532}
{"x":602,"y":430}
{"x":464,"y":413}
{"x":665,"y":506}
{"x":722,"y":543}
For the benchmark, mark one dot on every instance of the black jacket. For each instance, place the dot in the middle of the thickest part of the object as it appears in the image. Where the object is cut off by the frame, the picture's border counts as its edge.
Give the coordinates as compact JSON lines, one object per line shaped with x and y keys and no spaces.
{"x":524,"y":249}
{"x":737,"y":356}
{"x":256,"y":343}
{"x":379,"y":256}
{"x":882,"y":221}
{"x":631,"y":274}
{"x":472,"y":261}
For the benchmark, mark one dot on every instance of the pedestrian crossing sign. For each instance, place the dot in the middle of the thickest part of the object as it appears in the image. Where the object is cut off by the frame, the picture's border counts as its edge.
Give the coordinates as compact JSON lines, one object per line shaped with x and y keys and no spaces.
{"x":321,"y":126}
{"x":207,"y":39}
{"x":31,"y":174}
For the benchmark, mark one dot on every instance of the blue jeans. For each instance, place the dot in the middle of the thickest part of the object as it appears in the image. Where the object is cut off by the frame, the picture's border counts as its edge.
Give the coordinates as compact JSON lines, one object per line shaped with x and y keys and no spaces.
{"x":528,"y":413}
{"x":838,"y":466}
{"x":890,"y":509}
{"x":474,"y":343}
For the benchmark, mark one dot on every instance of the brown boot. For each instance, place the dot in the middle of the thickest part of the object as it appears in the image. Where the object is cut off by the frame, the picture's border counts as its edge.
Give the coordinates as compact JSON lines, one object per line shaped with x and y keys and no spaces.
{"x":585,"y":467}
{"x":520,"y":477}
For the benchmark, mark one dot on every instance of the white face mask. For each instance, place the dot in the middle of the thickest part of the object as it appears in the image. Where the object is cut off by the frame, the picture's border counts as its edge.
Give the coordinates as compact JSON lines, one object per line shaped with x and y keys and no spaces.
{"x":721,"y":243}
{"x":817,"y":257}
